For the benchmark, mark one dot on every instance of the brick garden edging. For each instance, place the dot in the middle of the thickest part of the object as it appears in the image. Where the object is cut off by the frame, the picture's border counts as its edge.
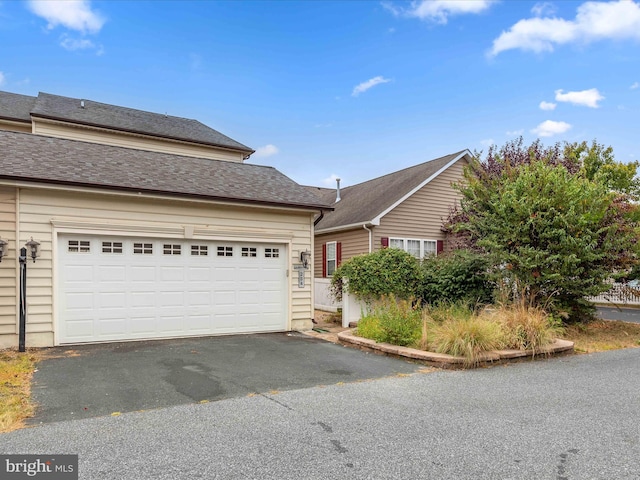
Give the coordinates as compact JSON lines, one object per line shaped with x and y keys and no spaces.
{"x":443,"y":360}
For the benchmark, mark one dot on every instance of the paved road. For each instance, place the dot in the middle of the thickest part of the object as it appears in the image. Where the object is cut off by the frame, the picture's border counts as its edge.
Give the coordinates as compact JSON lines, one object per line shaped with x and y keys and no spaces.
{"x":565,"y":418}
{"x":624,"y":314}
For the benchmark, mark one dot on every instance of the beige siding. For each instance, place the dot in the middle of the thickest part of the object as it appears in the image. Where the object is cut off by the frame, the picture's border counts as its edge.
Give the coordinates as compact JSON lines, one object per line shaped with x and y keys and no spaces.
{"x":421,"y":215}
{"x":353,"y":242}
{"x":15,"y":126}
{"x":38,"y":208}
{"x":8,"y":268}
{"x":118,"y":139}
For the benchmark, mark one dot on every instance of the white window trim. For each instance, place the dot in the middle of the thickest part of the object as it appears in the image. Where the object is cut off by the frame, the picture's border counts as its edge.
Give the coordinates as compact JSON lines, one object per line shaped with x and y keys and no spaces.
{"x":405,"y":242}
{"x":334,"y":259}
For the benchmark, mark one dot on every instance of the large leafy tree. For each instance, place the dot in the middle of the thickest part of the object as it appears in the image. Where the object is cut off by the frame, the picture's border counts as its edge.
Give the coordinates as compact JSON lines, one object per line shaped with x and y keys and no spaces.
{"x":557,"y":222}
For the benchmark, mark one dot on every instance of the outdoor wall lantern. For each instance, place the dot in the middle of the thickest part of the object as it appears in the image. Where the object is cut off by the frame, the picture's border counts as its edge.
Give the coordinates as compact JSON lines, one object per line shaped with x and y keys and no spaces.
{"x":305,"y":257}
{"x":34,"y":249}
{"x":3,"y":248}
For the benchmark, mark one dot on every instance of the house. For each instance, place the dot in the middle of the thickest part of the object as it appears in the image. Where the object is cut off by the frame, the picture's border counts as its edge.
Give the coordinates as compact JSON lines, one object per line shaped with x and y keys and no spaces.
{"x":149,"y":226}
{"x":403,"y":209}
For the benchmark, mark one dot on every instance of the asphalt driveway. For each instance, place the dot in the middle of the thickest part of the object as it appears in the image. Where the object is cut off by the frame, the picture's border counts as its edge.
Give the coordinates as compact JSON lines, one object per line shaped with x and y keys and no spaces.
{"x":104,"y":379}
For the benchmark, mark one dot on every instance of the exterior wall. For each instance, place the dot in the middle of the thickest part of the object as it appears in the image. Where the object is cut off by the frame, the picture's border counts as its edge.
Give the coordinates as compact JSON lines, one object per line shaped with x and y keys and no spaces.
{"x":105,"y":137}
{"x":15,"y":126}
{"x":9,"y":271}
{"x":354,"y":242}
{"x":421,"y":215}
{"x":43,"y":213}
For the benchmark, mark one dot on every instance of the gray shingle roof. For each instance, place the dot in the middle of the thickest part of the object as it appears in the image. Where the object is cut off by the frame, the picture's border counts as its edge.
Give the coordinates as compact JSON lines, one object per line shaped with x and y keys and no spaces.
{"x":29,"y":157}
{"x":363,"y":202}
{"x":130,"y":120}
{"x":14,"y":106}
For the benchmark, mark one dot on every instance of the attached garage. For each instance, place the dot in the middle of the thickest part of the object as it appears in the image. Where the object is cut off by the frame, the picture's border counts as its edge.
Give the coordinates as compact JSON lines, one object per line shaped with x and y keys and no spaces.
{"x":119,"y":288}
{"x":140,"y":245}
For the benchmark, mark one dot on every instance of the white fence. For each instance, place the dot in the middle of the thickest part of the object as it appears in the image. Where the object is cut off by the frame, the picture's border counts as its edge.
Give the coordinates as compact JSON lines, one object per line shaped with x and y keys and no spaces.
{"x":352,"y":308}
{"x":619,"y":294}
{"x":323,"y":299}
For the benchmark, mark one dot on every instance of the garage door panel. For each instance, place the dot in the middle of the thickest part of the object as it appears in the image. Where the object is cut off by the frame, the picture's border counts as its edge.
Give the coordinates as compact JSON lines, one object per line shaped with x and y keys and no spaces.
{"x":119,"y":288}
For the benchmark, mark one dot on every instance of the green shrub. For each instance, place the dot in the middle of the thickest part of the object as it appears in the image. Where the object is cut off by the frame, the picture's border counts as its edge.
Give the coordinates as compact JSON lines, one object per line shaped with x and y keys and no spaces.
{"x":461,"y":275}
{"x":393,"y":321}
{"x":385,"y":272}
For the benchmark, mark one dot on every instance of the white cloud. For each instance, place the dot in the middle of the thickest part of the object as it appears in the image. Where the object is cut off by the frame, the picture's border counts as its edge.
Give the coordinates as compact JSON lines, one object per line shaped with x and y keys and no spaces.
{"x":547,"y":105}
{"x":72,"y":14}
{"x":439,"y":10}
{"x":542,"y":9}
{"x":515,"y":133}
{"x":549,"y":128}
{"x":587,"y":98}
{"x":635,"y":86}
{"x":487,"y":142}
{"x":330,"y":181}
{"x":2,"y":77}
{"x":364,"y":86}
{"x":76,"y":43}
{"x":266,"y":151}
{"x":594,"y":21}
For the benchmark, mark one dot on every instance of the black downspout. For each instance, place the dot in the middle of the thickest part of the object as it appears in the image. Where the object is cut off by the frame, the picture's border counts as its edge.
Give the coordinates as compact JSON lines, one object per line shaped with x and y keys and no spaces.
{"x":317,"y":220}
{"x":23,"y":299}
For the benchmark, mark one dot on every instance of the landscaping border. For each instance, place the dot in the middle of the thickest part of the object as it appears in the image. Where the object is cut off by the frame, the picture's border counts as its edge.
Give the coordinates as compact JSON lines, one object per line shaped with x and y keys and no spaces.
{"x":442,"y":360}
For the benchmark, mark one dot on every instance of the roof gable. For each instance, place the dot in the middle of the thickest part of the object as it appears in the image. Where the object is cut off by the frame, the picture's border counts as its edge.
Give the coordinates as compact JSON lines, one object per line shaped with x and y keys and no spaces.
{"x":42,"y":159}
{"x":369,"y":201}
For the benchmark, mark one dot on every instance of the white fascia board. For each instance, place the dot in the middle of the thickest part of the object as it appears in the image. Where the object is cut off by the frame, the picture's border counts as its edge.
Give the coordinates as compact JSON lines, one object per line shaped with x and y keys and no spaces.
{"x":432,"y":177}
{"x":370,"y":223}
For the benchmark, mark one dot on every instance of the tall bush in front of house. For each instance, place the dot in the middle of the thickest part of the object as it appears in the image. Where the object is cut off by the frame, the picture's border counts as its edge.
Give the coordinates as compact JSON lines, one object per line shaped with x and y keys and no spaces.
{"x":458,"y":276}
{"x":385,"y":272}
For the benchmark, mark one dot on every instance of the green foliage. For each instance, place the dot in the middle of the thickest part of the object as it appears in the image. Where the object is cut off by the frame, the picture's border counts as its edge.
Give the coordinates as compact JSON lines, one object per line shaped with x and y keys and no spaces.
{"x":385,"y":272}
{"x":393,"y":321}
{"x":461,"y":275}
{"x":551,"y":229}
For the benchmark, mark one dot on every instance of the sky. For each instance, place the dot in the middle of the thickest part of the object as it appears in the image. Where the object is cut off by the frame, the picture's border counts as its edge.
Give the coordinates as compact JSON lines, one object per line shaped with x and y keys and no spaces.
{"x":350,"y":89}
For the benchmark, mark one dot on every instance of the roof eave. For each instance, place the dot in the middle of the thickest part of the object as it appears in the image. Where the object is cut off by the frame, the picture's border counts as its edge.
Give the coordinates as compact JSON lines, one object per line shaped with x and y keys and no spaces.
{"x":182,"y":195}
{"x":246,"y":150}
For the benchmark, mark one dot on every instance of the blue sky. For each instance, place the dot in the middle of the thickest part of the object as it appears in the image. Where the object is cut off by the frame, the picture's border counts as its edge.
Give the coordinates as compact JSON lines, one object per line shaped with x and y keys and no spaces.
{"x":354,"y":89}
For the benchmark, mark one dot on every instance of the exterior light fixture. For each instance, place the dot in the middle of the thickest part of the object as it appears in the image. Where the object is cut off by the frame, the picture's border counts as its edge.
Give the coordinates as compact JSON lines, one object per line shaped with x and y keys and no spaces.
{"x":34,"y":249}
{"x":305,"y":257}
{"x":3,"y":248}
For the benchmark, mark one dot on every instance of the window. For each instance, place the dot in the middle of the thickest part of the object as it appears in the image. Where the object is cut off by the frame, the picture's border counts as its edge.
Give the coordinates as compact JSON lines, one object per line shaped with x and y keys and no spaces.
{"x":201,"y":250}
{"x":172,"y":249}
{"x":249,"y":252}
{"x":416,"y":247}
{"x":82,"y":246}
{"x":225,"y":251}
{"x":430,"y":248}
{"x":272,"y":252}
{"x":143,"y":248}
{"x":331,"y":258}
{"x":111,"y":247}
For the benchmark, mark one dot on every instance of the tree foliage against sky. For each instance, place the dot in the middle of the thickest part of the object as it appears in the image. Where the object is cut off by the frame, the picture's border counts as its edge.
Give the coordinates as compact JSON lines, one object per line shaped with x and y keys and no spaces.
{"x":556,"y":221}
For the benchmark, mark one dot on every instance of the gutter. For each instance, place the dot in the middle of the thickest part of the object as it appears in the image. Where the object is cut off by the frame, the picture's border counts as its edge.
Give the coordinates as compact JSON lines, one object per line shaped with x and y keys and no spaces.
{"x":317,"y":220}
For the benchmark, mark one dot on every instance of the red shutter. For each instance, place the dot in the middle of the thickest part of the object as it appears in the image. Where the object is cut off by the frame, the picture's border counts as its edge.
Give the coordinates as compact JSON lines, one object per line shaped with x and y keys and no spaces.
{"x":338,"y":254}
{"x":439,"y":247}
{"x":324,"y":259}
{"x":384,"y":241}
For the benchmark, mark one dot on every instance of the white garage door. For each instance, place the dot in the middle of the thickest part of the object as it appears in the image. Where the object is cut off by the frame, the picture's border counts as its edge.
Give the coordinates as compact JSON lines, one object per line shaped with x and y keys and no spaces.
{"x":119,"y":288}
